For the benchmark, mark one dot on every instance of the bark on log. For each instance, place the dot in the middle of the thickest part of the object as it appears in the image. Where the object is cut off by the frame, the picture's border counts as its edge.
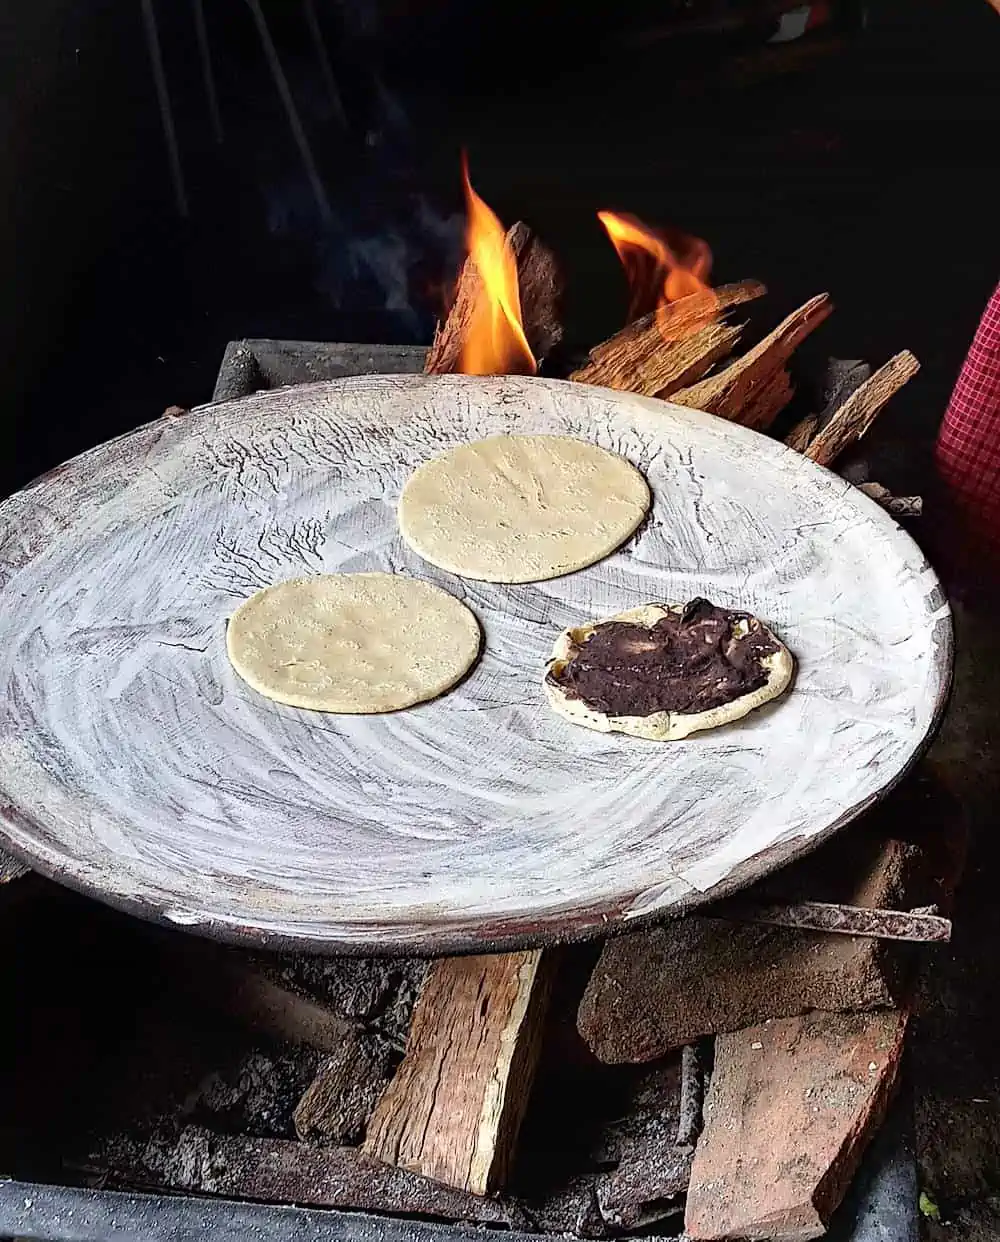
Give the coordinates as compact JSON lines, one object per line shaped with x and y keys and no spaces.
{"x":656,"y":357}
{"x":854,"y":418}
{"x":803,"y":431}
{"x":540,"y":290}
{"x":338,"y":1102}
{"x":747,"y":391}
{"x":454,"y":1108}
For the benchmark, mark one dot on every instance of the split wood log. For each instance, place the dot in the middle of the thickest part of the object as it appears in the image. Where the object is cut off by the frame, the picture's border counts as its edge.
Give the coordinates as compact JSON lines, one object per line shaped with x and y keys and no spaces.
{"x":842,"y":378}
{"x":338,"y":1102}
{"x":540,"y":290}
{"x":767,"y":401}
{"x":803,"y":431}
{"x":747,"y":391}
{"x":791,"y":1107}
{"x":657,"y":355}
{"x":455,"y":1106}
{"x":852,"y":420}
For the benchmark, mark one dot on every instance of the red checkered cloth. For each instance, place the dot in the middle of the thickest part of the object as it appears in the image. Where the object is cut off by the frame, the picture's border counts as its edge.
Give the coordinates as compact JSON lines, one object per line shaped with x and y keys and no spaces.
{"x":968,"y":446}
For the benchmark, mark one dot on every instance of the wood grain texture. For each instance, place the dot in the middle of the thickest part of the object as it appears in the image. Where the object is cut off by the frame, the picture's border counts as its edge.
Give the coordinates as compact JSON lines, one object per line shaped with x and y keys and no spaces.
{"x":454,"y":1109}
{"x":135,"y":765}
{"x":803,"y":431}
{"x":852,"y":420}
{"x":656,"y":355}
{"x":754,"y":389}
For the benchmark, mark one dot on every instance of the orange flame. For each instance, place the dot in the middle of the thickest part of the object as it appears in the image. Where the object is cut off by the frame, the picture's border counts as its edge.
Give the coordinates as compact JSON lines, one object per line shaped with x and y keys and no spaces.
{"x":495,"y":343}
{"x":661,"y":275}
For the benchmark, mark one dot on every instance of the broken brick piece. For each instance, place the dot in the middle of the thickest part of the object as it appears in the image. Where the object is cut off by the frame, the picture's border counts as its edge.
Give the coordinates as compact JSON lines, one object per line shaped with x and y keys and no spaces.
{"x":658,"y":990}
{"x":791,"y":1107}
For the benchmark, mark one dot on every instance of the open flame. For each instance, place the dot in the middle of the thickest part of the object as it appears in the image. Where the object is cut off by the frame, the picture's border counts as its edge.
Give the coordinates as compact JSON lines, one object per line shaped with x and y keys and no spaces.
{"x":495,"y":343}
{"x":671,"y":279}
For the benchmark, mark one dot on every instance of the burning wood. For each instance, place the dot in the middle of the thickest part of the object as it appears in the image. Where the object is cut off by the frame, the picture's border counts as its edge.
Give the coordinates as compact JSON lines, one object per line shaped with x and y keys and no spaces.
{"x":540,"y":287}
{"x":662,"y":352}
{"x":674,"y":334}
{"x":505,"y":316}
{"x":505,"y":311}
{"x":661,"y":272}
{"x":754,"y":389}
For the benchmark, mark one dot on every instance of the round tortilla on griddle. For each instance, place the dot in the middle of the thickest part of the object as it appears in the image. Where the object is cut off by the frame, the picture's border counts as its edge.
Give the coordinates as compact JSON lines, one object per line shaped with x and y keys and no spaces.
{"x":352,"y":643}
{"x":521,"y":508}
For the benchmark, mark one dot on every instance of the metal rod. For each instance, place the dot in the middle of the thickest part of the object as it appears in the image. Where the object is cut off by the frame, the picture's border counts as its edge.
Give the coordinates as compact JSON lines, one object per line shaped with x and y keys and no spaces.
{"x":689,"y":1118}
{"x":298,"y":132}
{"x":207,"y":73}
{"x":325,"y":68}
{"x":166,"y":113}
{"x":923,"y":926}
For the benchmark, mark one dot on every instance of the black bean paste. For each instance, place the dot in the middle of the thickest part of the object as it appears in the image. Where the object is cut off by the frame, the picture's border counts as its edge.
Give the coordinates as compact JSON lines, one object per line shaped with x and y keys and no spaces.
{"x":691,"y":661}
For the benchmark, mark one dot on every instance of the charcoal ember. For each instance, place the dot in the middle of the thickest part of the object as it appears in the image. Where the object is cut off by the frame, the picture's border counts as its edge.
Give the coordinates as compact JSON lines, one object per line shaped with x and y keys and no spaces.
{"x":258,"y":1096}
{"x":378,"y":993}
{"x":647,"y":1172}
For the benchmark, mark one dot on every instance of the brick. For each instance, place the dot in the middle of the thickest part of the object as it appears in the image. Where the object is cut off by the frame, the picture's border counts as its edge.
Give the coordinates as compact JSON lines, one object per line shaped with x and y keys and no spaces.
{"x":655,"y":991}
{"x":791,"y":1107}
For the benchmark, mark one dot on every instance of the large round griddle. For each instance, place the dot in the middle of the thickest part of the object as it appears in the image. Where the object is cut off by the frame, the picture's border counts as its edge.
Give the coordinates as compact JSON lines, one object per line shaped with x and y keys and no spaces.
{"x":135,"y":765}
